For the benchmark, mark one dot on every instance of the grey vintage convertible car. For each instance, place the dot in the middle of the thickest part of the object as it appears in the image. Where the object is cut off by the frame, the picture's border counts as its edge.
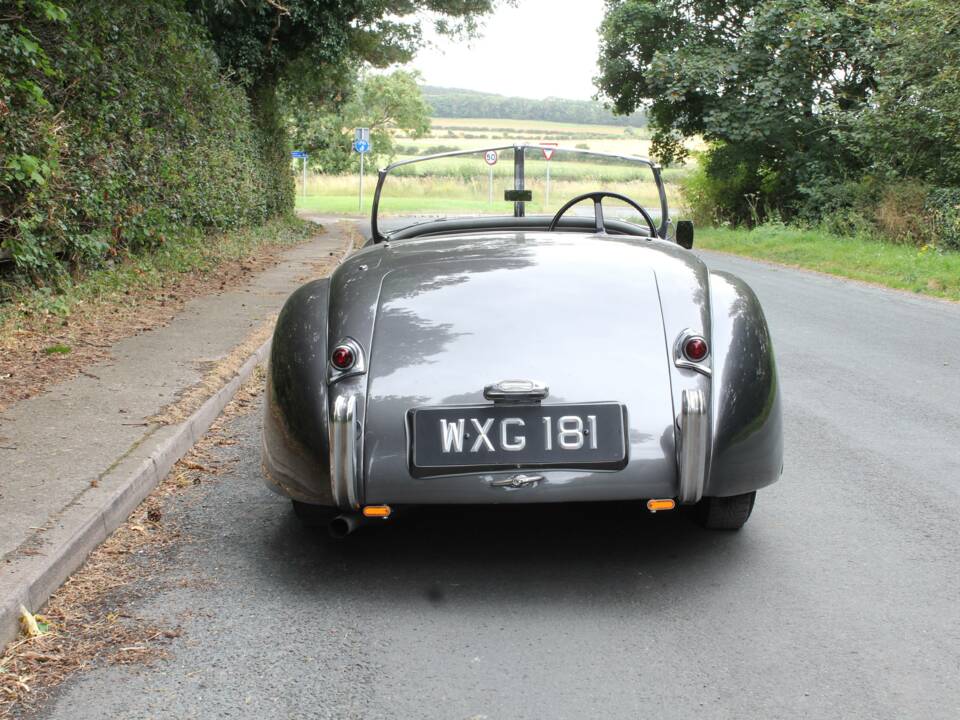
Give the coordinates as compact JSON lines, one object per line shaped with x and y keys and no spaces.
{"x":523,"y":358}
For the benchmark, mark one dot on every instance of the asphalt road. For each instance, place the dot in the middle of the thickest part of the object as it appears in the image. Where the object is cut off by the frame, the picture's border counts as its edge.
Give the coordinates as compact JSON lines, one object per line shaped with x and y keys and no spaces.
{"x":840,"y":598}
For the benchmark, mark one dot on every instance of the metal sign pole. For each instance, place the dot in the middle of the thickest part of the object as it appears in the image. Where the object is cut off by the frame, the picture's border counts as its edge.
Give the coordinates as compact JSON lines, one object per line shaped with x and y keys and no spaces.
{"x":360,"y":205}
{"x":304,"y":188}
{"x":361,"y":144}
{"x":546,"y":196}
{"x":548,"y":156}
{"x":490,"y":157}
{"x":518,"y":210}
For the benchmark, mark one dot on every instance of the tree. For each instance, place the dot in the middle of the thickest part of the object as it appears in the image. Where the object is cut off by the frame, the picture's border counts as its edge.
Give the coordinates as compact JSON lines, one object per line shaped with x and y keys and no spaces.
{"x":311,"y":49}
{"x":767,"y":82}
{"x":311,"y":44}
{"x":381,"y":102}
{"x":911,"y":126}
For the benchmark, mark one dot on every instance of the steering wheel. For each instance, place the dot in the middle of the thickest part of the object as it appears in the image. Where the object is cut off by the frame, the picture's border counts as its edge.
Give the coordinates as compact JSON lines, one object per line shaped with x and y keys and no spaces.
{"x":597,"y":198}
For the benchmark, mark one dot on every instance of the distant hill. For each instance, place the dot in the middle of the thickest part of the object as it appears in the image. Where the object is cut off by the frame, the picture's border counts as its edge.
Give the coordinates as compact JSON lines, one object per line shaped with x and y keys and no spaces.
{"x":458,"y":103}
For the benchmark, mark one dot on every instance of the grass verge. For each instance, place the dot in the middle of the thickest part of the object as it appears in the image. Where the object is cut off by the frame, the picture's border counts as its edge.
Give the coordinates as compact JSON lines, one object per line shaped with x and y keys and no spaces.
{"x":49,"y":335}
{"x":191,"y":252}
{"x":922,"y":270}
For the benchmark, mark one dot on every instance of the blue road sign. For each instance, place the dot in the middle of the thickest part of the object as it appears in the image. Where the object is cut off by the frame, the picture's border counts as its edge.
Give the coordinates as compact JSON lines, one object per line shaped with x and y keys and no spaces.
{"x":361,"y":146}
{"x":298,"y":154}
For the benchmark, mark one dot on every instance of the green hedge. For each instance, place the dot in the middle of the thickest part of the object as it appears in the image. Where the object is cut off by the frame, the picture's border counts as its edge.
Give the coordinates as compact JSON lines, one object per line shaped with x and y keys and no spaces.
{"x":118,"y":128}
{"x":943,"y":207}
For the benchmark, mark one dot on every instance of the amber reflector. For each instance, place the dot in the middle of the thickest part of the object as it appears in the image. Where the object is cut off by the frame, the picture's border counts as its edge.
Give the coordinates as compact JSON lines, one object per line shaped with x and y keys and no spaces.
{"x":654,"y":505}
{"x":380,"y":511}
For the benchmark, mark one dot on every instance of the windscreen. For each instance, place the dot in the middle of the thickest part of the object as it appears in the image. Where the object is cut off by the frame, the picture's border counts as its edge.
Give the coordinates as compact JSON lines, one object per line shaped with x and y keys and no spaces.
{"x":483,"y":182}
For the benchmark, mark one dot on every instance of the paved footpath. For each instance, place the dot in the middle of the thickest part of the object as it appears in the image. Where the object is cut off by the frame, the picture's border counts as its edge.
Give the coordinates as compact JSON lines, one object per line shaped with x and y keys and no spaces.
{"x":87,"y":450}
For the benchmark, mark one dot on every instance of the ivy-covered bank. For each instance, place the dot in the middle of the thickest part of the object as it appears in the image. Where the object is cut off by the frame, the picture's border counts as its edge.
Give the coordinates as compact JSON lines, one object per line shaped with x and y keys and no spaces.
{"x":120,"y":133}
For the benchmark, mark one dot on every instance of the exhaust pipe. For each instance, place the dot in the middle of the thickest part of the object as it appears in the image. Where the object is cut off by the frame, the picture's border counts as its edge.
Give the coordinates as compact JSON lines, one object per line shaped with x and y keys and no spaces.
{"x":343,"y":525}
{"x":347,"y":523}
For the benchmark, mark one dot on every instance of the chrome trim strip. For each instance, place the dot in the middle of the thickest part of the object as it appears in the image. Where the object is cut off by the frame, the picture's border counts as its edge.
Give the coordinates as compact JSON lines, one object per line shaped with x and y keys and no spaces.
{"x":520,"y":146}
{"x":343,"y":453}
{"x":516,"y":147}
{"x":681,"y":361}
{"x":358,"y":368}
{"x":694,"y":424}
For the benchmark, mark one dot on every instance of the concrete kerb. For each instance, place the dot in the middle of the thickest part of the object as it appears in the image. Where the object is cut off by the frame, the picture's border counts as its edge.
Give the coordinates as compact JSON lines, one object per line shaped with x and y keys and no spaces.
{"x":83,"y":530}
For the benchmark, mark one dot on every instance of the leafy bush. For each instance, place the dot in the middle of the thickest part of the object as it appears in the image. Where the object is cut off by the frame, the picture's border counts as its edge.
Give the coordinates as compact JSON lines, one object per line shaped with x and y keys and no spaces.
{"x":117,"y":129}
{"x":943,"y":209}
{"x":901,"y":213}
{"x":731,"y":185}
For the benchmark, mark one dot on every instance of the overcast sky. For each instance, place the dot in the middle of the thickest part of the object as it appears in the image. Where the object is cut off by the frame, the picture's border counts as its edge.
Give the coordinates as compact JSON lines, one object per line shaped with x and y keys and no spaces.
{"x":538,"y":49}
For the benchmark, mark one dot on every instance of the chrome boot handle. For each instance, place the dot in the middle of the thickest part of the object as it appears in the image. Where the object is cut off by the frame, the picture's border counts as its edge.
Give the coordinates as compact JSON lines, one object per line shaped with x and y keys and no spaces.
{"x":516,"y":391}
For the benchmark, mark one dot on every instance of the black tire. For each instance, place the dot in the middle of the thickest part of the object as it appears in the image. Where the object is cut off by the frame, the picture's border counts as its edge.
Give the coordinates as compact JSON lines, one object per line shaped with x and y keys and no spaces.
{"x":314,"y":516}
{"x":725,"y":513}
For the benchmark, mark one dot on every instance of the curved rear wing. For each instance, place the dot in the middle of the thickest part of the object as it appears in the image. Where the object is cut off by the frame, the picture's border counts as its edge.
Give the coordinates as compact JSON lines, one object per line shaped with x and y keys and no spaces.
{"x":518,"y":177}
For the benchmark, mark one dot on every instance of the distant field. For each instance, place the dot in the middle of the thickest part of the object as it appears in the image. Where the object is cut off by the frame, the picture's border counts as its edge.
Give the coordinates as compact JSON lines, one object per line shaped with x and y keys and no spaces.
{"x":461,"y":185}
{"x":337,"y":194}
{"x":440,"y":125}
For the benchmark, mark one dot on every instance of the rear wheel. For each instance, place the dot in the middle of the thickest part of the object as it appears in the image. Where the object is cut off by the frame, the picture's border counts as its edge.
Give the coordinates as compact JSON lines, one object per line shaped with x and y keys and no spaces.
{"x":725,"y":513}
{"x":314,"y":515}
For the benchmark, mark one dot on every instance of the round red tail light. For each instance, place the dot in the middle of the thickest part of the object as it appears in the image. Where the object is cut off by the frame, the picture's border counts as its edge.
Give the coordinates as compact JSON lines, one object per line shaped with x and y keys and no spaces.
{"x":695,"y":349}
{"x":343,"y":357}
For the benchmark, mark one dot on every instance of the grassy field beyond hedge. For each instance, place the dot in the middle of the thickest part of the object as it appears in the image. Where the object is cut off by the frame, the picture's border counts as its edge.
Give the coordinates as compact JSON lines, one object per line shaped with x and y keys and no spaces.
{"x":923,"y":270}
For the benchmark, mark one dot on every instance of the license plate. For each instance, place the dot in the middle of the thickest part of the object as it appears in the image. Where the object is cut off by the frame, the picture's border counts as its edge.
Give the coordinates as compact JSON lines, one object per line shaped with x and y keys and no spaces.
{"x":451,"y":439}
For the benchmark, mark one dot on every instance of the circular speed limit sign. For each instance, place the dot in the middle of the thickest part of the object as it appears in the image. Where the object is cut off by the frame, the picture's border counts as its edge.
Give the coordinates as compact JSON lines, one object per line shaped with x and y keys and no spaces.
{"x":490,"y":156}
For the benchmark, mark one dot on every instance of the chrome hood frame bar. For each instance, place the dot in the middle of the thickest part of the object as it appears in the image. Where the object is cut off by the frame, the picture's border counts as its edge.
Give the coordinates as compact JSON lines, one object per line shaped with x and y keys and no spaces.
{"x":518,"y":177}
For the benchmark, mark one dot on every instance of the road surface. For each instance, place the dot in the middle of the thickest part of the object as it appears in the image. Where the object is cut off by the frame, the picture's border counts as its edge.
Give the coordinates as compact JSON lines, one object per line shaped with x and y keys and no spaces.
{"x":840,"y":598}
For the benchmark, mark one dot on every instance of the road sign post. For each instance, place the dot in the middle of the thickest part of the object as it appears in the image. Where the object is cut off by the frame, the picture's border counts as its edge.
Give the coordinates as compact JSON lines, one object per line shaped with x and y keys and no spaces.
{"x":548,"y":149}
{"x":361,"y":144}
{"x":490,"y":157}
{"x":302,"y":156}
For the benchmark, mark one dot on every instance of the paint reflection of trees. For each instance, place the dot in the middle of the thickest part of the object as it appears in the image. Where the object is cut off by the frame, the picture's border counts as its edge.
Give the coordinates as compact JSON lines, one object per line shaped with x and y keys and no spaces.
{"x":413,"y":340}
{"x":406,"y":338}
{"x":749,"y":378}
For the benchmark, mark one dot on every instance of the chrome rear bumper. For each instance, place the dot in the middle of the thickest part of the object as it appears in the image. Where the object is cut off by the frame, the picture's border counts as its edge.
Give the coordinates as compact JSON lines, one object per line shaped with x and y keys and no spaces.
{"x":693,"y":445}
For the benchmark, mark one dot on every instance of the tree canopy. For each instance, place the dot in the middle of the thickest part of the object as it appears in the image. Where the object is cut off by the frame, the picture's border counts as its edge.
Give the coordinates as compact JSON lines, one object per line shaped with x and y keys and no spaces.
{"x":381,"y":102}
{"x":799,"y":99}
{"x":311,"y":44}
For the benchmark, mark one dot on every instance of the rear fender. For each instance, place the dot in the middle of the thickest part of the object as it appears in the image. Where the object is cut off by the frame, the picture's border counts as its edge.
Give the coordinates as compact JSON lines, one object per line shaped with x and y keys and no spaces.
{"x":296,"y":455}
{"x":747,"y":424}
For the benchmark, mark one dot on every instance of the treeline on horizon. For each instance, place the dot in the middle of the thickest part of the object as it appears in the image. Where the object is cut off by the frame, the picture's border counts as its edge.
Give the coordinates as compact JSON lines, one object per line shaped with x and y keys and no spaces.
{"x":460,"y":103}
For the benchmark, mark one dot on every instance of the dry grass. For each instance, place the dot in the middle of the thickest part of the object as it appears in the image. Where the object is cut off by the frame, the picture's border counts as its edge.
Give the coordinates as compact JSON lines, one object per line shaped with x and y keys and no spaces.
{"x":216,"y":376}
{"x":901,"y":214}
{"x":355,"y":237}
{"x":91,"y":620}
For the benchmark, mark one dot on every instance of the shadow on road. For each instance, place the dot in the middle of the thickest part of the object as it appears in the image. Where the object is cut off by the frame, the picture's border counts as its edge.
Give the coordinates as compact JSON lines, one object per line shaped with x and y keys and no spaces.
{"x":549,"y":554}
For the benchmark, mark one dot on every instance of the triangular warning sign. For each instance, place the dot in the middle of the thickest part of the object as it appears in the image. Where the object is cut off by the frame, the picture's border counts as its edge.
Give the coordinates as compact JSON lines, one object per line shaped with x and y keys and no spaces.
{"x":547,"y":152}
